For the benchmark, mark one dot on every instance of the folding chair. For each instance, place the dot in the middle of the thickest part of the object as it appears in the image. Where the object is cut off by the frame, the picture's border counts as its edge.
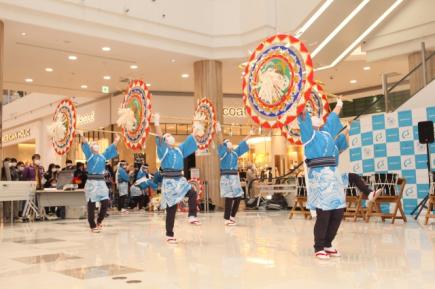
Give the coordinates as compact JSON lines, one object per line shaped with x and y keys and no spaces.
{"x":392,"y":192}
{"x":431,"y":202}
{"x":353,"y":203}
{"x":301,"y":199}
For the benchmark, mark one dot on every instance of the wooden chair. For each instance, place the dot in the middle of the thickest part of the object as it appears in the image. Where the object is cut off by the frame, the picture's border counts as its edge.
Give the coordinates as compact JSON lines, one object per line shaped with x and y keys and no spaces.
{"x":300,"y":200}
{"x":390,"y":195}
{"x":354,"y":207}
{"x":430,"y":204}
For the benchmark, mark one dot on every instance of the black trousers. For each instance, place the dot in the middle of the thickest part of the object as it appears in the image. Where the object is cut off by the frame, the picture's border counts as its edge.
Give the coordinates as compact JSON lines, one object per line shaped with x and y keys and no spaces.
{"x":326,"y":227}
{"x":359,"y":183}
{"x":136,"y":201}
{"x":231,"y":207}
{"x":121,"y":202}
{"x":171,"y":211}
{"x":101,"y":213}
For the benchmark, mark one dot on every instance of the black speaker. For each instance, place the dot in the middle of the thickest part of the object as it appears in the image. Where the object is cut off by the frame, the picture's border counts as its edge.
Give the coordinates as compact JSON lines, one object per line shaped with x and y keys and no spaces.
{"x":425,"y":132}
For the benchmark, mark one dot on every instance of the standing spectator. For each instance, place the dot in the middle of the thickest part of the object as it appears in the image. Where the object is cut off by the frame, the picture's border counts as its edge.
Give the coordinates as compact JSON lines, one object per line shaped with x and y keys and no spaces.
{"x":20,"y":171}
{"x":34,"y":172}
{"x":6,"y":174}
{"x":68,"y":165}
{"x":80,"y":175}
{"x":13,"y":169}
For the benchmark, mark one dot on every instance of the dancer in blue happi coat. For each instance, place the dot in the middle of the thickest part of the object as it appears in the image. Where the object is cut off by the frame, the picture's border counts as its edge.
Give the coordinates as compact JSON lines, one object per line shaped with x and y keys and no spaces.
{"x":325,"y":185}
{"x":139,"y":189}
{"x":96,"y":189}
{"x":174,"y":185}
{"x":122,"y":180}
{"x":231,"y":188}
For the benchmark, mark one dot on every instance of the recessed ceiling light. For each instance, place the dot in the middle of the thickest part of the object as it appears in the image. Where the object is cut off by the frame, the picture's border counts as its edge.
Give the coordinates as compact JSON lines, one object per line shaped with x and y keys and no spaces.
{"x":185,"y":75}
{"x":106,"y":48}
{"x":28,"y":80}
{"x":353,"y":81}
{"x":148,"y":84}
{"x":23,"y":33}
{"x":367,"y":68}
{"x":106,"y":77}
{"x":49,"y":69}
{"x":72,"y":57}
{"x":173,"y":61}
{"x":134,"y":66}
{"x":83,"y":86}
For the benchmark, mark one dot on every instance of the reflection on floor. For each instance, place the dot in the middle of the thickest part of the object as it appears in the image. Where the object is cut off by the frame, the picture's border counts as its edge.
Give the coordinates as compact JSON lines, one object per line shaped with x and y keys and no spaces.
{"x":267,"y":250}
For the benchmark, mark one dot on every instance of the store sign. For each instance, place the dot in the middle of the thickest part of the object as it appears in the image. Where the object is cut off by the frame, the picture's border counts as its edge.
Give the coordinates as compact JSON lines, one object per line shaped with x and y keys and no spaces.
{"x":87,"y":118}
{"x":234,"y":111}
{"x":16,"y":135}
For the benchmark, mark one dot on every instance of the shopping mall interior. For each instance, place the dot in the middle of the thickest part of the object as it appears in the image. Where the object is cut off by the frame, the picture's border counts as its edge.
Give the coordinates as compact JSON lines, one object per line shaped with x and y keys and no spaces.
{"x":191,"y":143}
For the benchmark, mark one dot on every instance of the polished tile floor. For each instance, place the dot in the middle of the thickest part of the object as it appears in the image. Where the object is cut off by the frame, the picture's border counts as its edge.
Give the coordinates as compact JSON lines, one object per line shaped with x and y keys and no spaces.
{"x":267,"y":250}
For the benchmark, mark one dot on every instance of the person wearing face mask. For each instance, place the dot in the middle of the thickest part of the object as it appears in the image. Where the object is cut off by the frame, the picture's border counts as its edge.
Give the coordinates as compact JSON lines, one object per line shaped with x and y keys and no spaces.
{"x":139,"y":190}
{"x":50,"y":177}
{"x":325,"y":185}
{"x":122,"y":179}
{"x":68,"y":165}
{"x":231,"y":189}
{"x":20,"y":171}
{"x":35,"y":171}
{"x":6,"y":173}
{"x":80,"y":175}
{"x":96,"y":189}
{"x":174,"y":185}
{"x":13,"y":169}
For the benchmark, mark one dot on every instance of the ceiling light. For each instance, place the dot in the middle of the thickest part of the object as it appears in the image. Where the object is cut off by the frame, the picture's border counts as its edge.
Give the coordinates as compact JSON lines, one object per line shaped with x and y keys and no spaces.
{"x":173,"y":60}
{"x":313,"y":18}
{"x":49,"y":69}
{"x":362,"y":36}
{"x":353,"y":81}
{"x":28,"y":80}
{"x":340,"y":27}
{"x":185,"y":75}
{"x":367,"y":68}
{"x":83,"y":86}
{"x":23,"y":33}
{"x":134,"y":66}
{"x":106,"y":77}
{"x":106,"y":48}
{"x":72,"y":57}
{"x":148,"y":84}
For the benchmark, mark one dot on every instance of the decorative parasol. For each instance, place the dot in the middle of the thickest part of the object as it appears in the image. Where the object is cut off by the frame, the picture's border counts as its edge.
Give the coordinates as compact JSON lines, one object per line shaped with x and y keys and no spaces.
{"x":205,"y":119}
{"x":63,"y":128}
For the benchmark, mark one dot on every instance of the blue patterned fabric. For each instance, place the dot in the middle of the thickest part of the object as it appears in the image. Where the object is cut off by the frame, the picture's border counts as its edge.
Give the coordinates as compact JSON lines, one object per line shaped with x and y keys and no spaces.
{"x":173,"y":191}
{"x":96,"y":190}
{"x":229,"y":159}
{"x":230,"y":186}
{"x":325,"y":187}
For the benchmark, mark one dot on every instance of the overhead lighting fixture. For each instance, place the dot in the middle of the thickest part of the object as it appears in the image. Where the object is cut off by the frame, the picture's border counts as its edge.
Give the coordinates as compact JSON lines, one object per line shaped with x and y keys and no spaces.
{"x":28,"y":80}
{"x":367,"y":68}
{"x":353,"y":81}
{"x":313,"y":18}
{"x":362,"y":36}
{"x":49,"y":69}
{"x":148,"y":84}
{"x":134,"y":66}
{"x":107,"y":77}
{"x":23,"y":34}
{"x":72,"y":57}
{"x":173,"y":61}
{"x":83,"y":86}
{"x":106,"y":48}
{"x":339,"y":27}
{"x":185,"y":75}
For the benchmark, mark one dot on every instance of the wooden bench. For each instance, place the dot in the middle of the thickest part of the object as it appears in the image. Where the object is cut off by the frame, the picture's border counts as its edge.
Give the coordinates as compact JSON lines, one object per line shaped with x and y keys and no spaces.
{"x":389,"y":184}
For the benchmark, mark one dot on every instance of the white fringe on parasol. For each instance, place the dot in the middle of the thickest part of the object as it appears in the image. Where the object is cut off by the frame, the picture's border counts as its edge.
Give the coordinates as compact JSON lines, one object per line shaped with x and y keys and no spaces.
{"x":126,"y":119}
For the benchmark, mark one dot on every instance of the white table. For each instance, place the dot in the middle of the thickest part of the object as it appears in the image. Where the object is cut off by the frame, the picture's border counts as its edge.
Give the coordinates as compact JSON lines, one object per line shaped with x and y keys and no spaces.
{"x":60,"y":198}
{"x":11,"y":191}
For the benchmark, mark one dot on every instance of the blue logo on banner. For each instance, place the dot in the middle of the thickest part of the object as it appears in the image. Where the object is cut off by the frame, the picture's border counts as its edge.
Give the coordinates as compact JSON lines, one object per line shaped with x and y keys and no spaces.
{"x":407,"y":147}
{"x":378,"y":122}
{"x":355,"y":154}
{"x":367,"y":138}
{"x":415,"y":129}
{"x":368,"y":166}
{"x":409,"y":176}
{"x":422,"y":190}
{"x":394,"y":163}
{"x":380,"y":150}
{"x":431,"y":113}
{"x":420,"y":161}
{"x":405,"y":118}
{"x":392,"y":134}
{"x":355,"y":128}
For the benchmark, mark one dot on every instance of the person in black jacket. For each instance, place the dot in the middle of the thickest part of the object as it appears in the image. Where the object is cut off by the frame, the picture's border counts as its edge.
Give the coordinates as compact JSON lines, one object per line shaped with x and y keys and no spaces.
{"x":80,"y":175}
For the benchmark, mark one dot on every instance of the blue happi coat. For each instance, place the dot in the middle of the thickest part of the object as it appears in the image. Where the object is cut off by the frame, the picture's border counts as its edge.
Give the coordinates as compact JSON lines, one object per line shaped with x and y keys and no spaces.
{"x":230,"y":184}
{"x":122,"y":181}
{"x":96,"y":190}
{"x":172,"y":158}
{"x":325,"y":185}
{"x":142,"y":183}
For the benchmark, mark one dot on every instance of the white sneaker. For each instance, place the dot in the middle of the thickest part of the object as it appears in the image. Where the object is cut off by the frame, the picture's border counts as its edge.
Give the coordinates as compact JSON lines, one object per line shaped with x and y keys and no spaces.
{"x":374,"y":195}
{"x":322,"y":255}
{"x":230,"y":223}
{"x":331,"y":251}
{"x":96,"y":230}
{"x":124,"y":211}
{"x":233,"y":219}
{"x":194,"y":221}
{"x":171,"y":240}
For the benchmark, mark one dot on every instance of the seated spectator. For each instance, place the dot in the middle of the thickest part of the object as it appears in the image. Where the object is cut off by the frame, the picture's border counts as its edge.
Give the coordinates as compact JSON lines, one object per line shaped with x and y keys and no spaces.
{"x":80,"y":175}
{"x":68,"y":165}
